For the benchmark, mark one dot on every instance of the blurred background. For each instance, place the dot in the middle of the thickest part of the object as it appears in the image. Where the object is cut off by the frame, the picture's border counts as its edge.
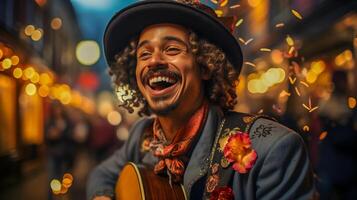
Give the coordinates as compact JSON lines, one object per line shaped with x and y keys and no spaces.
{"x":59,"y":114}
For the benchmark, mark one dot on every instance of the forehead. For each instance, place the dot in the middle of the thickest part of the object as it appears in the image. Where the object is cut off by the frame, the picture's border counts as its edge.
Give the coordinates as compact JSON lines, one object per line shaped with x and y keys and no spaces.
{"x":160,"y":31}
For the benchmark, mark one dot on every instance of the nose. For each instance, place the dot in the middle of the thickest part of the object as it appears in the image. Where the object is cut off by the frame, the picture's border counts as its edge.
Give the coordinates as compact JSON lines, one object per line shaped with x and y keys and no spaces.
{"x":157,"y":60}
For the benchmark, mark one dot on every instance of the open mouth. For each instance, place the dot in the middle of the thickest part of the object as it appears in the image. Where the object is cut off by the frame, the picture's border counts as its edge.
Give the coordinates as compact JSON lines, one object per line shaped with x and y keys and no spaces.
{"x":161,"y":80}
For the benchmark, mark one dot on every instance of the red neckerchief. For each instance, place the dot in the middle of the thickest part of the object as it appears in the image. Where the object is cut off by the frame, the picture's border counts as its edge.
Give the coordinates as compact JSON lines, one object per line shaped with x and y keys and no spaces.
{"x":170,"y":155}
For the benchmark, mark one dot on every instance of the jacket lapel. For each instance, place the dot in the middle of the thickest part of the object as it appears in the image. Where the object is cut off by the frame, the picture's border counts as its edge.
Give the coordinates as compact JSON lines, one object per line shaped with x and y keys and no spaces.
{"x":198,"y":164}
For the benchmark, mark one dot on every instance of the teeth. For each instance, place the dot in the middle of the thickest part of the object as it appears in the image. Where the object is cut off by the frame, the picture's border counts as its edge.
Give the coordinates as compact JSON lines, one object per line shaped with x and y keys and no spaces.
{"x":160,"y":79}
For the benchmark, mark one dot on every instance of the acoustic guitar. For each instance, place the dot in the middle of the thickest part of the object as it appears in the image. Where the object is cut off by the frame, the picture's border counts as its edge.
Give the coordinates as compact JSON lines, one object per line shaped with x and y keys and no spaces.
{"x":140,"y":183}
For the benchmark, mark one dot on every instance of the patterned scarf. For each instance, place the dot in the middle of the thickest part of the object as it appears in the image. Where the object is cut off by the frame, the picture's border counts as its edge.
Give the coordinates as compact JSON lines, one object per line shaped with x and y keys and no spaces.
{"x":172,"y":155}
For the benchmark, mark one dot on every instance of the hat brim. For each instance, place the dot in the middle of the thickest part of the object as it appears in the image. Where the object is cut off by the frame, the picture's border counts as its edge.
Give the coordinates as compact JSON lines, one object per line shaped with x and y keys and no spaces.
{"x":130,"y":21}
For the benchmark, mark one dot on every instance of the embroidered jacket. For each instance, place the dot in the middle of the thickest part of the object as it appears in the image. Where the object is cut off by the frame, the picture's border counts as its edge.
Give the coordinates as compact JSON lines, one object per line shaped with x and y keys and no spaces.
{"x":282,"y":169}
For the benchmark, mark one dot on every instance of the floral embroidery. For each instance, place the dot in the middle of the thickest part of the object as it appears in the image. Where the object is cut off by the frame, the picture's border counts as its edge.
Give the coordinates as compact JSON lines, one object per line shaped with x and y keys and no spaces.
{"x":238,"y":151}
{"x":262,"y":131}
{"x":212,"y":182}
{"x":222,"y":193}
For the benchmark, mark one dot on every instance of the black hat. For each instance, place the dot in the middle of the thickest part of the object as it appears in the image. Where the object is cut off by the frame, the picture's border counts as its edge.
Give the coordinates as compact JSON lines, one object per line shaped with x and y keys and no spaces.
{"x":131,"y":20}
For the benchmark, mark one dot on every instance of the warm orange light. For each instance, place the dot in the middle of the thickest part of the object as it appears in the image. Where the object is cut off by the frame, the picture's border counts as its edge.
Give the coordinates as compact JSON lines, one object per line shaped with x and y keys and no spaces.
{"x":1,"y":53}
{"x":56,"y":23}
{"x":348,"y":55}
{"x":35,"y":78}
{"x":45,"y":79}
{"x":311,"y":77}
{"x":6,"y":63}
{"x":17,"y":72}
{"x":43,"y":91}
{"x":29,"y":72}
{"x":29,"y":29}
{"x":15,"y":60}
{"x":318,"y":67}
{"x":67,"y":180}
{"x":351,"y":102}
{"x":30,"y":89}
{"x":254,"y":3}
{"x":277,"y":56}
{"x":64,"y":94}
{"x":36,"y":35}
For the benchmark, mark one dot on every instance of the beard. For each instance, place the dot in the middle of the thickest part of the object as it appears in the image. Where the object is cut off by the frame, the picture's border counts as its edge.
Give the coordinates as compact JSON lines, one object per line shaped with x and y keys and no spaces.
{"x":165,"y":110}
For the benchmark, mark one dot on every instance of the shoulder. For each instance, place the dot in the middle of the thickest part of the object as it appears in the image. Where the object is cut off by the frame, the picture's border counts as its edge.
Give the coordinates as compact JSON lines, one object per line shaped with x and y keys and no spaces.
{"x":138,"y":128}
{"x":267,"y":135}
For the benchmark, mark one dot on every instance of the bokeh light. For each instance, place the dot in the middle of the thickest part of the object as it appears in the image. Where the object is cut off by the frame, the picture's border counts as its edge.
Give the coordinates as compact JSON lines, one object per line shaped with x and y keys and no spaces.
{"x":122,"y":133}
{"x":29,"y":72}
{"x":17,"y":72}
{"x":36,"y":35}
{"x":35,"y":78}
{"x":30,"y":89}
{"x":351,"y":102}
{"x":45,"y":79}
{"x":43,"y":90}
{"x":55,"y":186}
{"x":87,"y":52}
{"x":6,"y":63}
{"x":15,"y":60}
{"x":56,"y":23}
{"x":29,"y":29}
{"x":114,"y":118}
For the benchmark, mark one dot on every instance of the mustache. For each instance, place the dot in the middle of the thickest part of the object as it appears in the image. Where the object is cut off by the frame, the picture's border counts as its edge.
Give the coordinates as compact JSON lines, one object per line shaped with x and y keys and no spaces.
{"x":160,"y":72}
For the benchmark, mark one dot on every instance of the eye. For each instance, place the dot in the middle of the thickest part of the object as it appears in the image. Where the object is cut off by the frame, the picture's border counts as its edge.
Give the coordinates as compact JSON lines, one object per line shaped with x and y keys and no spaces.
{"x":172,"y":50}
{"x":144,"y":55}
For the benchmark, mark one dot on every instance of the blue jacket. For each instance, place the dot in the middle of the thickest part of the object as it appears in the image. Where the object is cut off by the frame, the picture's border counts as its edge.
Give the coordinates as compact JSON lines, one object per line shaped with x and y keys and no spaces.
{"x":282,"y":169}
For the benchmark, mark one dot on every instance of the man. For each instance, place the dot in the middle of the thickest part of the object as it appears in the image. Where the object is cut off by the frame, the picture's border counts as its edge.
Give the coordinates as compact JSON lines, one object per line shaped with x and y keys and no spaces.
{"x":181,"y":64}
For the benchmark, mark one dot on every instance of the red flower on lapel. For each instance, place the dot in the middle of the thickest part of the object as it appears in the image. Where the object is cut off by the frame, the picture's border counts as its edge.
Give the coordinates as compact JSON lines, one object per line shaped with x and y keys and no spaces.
{"x":238,"y":151}
{"x":222,"y":193}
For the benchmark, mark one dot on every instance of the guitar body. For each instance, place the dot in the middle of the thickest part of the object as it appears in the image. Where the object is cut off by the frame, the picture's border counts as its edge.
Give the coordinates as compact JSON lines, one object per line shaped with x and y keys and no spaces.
{"x":140,"y":183}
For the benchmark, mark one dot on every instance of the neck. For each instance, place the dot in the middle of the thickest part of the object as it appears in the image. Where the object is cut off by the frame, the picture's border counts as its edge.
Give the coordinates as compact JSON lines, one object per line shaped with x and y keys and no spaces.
{"x":170,"y":124}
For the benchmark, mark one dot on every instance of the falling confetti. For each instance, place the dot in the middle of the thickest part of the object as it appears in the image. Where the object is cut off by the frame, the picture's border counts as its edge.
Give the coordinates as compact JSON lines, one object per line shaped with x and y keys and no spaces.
{"x":323,"y":135}
{"x":289,"y":40}
{"x":248,"y":41}
{"x":279,"y":25}
{"x":219,"y":13}
{"x":239,"y":22}
{"x":306,"y":128}
{"x":291,"y":50}
{"x":214,"y":1}
{"x":309,"y":107}
{"x":292,"y":80}
{"x":224,"y":3}
{"x":235,"y":6}
{"x":304,"y":83}
{"x":265,"y":49}
{"x":296,"y":14}
{"x":297,"y":91}
{"x":284,"y":94}
{"x":250,"y":64}
{"x":242,"y":40}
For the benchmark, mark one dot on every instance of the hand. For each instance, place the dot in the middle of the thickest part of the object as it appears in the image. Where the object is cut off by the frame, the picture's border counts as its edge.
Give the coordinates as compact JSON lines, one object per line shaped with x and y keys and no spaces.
{"x":102,"y":198}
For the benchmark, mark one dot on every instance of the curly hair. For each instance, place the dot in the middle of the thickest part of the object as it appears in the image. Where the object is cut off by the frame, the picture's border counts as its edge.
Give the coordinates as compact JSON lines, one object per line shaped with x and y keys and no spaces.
{"x":219,"y":89}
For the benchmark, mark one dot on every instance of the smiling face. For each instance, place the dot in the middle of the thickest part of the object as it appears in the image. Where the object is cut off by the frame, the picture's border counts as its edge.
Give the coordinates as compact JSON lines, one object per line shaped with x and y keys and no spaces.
{"x":166,"y":72}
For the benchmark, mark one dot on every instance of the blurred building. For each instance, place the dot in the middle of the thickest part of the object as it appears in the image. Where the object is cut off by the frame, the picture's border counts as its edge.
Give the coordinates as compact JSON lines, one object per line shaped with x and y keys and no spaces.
{"x":37,"y":65}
